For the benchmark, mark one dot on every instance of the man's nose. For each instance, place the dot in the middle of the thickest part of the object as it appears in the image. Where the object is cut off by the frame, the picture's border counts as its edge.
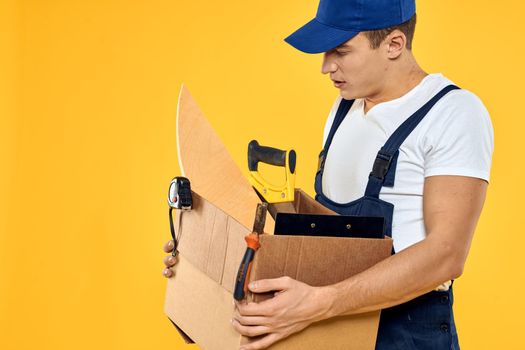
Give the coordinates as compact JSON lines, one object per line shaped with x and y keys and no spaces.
{"x":328,"y":65}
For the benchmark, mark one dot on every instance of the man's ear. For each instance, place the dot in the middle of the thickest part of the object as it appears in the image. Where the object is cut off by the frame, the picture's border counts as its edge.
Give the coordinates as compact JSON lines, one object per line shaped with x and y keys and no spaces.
{"x":395,"y":44}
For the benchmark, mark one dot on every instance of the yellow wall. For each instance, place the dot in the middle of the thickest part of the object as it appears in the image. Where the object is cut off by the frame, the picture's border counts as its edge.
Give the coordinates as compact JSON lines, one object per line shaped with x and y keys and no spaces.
{"x":88,"y":100}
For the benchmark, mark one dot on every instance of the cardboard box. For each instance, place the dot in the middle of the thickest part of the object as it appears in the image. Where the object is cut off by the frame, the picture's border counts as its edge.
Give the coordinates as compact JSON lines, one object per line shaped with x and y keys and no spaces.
{"x":199,"y":296}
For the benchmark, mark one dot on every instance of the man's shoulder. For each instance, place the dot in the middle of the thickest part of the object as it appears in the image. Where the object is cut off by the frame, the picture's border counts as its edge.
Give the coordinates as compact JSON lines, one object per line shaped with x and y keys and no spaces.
{"x":463,"y":109}
{"x":459,"y":115}
{"x":460,"y":106}
{"x":460,"y":100}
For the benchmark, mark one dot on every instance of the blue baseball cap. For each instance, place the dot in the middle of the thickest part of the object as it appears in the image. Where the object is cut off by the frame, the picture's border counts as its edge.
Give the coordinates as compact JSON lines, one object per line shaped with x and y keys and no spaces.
{"x":338,"y":21}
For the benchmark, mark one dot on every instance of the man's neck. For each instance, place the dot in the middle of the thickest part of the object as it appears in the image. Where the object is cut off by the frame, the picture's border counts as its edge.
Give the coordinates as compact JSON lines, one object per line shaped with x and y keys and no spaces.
{"x":396,"y":86}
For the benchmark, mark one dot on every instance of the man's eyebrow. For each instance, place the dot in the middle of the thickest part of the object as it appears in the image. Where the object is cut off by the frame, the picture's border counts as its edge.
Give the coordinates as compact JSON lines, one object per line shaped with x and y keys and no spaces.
{"x":344,"y":46}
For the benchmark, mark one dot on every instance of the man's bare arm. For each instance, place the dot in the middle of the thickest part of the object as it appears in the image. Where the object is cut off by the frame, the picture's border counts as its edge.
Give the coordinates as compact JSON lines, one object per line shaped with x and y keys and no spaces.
{"x":452,"y":205}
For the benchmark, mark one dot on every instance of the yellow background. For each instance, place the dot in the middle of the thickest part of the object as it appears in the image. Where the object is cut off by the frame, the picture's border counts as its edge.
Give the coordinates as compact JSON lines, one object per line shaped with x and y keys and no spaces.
{"x":87,"y":143}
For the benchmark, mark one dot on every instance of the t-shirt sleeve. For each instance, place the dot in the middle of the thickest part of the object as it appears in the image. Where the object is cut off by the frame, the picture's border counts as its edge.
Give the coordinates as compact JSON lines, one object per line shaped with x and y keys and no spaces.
{"x":330,"y":119}
{"x":461,"y":141}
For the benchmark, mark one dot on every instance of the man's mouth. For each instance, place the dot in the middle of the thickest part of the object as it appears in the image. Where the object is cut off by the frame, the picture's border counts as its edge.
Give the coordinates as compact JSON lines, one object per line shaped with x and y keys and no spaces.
{"x":338,"y":83}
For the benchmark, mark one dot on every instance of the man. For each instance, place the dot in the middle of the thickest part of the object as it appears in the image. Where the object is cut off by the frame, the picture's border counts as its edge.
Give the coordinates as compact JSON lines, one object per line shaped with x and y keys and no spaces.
{"x":436,"y":144}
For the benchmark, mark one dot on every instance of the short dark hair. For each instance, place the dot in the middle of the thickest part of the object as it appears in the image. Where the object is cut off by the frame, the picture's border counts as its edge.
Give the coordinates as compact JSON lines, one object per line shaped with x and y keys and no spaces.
{"x":376,"y":37}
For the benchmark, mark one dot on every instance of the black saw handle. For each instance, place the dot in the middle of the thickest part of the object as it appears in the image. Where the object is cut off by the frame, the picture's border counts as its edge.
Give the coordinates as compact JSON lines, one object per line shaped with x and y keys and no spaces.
{"x":268,"y":155}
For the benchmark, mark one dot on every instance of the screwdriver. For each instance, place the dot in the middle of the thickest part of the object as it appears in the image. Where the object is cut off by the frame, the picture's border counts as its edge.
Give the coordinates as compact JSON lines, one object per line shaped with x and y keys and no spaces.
{"x":252,"y":240}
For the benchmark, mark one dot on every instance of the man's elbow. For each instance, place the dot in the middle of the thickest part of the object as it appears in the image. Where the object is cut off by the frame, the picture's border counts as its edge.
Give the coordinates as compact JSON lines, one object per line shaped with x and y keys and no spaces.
{"x":454,"y":258}
{"x":456,"y":269}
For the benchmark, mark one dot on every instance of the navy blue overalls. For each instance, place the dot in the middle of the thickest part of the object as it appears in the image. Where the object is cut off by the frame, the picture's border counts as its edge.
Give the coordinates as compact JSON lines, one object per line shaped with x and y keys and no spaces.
{"x":426,"y":322}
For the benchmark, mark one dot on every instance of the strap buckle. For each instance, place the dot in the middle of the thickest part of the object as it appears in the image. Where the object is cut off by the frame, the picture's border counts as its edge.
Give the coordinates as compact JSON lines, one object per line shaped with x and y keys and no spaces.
{"x":381,"y":165}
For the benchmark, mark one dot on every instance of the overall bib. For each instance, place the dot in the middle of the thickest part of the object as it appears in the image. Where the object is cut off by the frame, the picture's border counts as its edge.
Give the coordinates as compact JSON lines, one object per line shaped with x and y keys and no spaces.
{"x":426,"y":322}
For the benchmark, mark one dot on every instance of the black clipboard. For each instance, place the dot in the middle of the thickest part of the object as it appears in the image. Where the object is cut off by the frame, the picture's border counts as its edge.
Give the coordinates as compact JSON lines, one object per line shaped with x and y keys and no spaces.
{"x":290,"y":224}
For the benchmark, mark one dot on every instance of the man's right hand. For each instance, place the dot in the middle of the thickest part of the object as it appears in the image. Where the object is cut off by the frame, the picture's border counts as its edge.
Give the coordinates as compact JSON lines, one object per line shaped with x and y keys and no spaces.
{"x":169,"y":260}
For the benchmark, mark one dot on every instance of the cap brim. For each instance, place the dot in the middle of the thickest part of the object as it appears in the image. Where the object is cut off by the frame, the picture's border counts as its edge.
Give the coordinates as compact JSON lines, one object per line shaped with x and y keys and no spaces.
{"x":315,"y":37}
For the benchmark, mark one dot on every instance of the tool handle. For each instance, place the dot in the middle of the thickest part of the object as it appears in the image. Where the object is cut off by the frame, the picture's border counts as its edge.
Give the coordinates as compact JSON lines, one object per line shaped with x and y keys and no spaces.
{"x":243,"y":275}
{"x":268,"y":155}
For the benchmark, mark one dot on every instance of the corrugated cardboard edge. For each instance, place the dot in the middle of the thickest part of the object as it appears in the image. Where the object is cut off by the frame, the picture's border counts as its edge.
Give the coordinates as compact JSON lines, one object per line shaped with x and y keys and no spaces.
{"x":184,"y":336}
{"x":305,"y":204}
{"x":186,"y":307}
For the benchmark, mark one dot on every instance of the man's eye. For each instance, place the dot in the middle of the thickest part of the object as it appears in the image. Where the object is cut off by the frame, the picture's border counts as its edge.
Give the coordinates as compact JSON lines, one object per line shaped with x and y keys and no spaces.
{"x":341,"y":53}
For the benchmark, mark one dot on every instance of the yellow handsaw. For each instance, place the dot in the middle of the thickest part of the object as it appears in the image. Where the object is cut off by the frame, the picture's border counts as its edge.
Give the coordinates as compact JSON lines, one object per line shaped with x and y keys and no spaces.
{"x":205,"y":161}
{"x":281,"y":197}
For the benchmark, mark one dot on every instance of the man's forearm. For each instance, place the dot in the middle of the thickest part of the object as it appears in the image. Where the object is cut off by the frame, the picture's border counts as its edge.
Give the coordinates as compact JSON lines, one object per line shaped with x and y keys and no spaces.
{"x":397,"y":279}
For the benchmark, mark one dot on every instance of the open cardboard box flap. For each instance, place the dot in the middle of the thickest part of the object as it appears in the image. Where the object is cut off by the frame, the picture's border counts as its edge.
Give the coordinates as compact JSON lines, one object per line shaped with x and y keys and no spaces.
{"x":199,"y":296}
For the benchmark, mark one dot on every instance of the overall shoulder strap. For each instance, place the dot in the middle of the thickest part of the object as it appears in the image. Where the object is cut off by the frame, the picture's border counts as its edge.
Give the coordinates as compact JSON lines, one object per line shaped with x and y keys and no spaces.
{"x":342,"y":110}
{"x":384,"y":168}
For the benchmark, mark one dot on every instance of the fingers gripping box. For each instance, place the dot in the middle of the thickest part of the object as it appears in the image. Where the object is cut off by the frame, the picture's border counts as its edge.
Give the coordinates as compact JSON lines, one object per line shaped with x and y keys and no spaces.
{"x":199,"y":296}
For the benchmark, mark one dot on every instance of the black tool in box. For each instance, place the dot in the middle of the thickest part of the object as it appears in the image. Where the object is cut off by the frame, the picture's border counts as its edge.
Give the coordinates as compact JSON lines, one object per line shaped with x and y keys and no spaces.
{"x":329,"y":225}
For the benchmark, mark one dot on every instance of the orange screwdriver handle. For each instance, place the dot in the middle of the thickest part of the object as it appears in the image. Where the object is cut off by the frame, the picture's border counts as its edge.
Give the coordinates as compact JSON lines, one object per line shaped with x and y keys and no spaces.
{"x":243,"y":275}
{"x":253,"y":241}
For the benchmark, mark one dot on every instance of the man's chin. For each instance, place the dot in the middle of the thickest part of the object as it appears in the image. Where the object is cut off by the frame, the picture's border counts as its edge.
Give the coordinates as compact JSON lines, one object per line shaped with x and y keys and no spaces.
{"x":350,"y":95}
{"x":346,"y":95}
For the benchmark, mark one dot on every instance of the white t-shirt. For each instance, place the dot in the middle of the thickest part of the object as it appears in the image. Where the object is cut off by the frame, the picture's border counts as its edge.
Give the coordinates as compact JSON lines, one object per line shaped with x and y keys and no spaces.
{"x":454,"y":138}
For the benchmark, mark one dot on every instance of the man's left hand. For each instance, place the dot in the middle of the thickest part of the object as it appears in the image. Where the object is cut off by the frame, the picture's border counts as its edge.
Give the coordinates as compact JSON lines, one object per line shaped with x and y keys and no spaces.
{"x":295,"y":306}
